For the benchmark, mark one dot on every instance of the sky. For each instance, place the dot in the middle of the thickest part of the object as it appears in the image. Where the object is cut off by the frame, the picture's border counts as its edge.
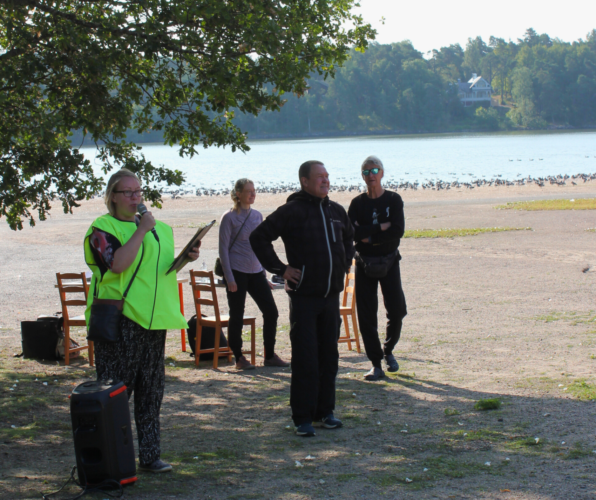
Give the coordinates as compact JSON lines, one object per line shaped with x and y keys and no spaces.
{"x":432,"y":24}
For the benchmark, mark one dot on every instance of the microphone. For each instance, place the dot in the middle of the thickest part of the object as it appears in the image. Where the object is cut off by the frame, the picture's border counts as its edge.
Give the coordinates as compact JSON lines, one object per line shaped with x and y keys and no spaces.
{"x":143,"y":210}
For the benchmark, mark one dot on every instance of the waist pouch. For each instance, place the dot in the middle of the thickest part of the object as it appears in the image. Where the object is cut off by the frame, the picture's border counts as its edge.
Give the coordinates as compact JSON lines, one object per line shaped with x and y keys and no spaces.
{"x":104,"y":321}
{"x":376,"y":267}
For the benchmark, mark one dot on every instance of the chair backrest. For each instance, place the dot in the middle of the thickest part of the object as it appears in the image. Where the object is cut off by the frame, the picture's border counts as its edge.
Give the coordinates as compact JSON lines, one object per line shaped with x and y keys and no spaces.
{"x":77,"y":284}
{"x":350,"y":289}
{"x":204,"y":286}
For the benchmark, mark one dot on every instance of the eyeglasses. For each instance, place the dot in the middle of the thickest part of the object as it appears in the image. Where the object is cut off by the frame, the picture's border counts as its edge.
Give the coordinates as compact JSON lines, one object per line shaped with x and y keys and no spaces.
{"x":128,"y":193}
{"x":368,"y":171}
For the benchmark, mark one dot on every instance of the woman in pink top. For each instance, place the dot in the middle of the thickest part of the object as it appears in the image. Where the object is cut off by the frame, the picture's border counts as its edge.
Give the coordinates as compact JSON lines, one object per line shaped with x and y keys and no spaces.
{"x":243,"y":273}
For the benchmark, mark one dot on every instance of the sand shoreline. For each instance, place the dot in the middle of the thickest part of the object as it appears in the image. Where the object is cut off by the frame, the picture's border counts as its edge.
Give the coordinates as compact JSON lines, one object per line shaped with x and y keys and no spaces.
{"x":506,"y":315}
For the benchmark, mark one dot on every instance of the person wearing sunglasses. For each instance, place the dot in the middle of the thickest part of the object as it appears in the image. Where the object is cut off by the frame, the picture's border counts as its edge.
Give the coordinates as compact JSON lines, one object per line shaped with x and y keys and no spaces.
{"x":379,"y":223}
{"x":122,"y":249}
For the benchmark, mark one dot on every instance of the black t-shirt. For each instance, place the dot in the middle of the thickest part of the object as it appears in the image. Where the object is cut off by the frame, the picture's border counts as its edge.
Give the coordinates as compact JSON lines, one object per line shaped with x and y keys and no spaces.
{"x":368,"y":214}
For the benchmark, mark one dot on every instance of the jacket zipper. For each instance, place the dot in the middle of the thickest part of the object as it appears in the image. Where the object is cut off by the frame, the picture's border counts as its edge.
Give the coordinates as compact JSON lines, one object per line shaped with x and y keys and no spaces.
{"x":332,"y":230}
{"x":329,"y":248}
{"x":301,"y":278}
{"x":156,"y":280}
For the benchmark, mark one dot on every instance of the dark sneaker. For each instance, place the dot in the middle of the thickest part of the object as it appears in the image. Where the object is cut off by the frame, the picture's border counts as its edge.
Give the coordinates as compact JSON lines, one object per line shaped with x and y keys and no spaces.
{"x":276,"y":361}
{"x":305,"y":430}
{"x":157,"y":466}
{"x":329,"y":422}
{"x":375,"y":374}
{"x":392,"y":365}
{"x":244,"y":364}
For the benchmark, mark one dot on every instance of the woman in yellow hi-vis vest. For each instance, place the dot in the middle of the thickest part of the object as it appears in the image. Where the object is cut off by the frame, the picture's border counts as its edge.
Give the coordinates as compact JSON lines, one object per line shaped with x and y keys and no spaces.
{"x":116,"y":245}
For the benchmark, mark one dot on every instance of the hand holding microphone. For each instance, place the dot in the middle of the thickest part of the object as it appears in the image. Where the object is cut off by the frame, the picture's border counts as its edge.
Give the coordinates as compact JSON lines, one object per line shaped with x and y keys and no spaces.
{"x":147,"y":221}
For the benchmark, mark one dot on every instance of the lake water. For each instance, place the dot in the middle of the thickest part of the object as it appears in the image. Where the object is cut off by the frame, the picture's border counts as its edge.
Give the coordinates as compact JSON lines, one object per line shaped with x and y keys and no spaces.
{"x":409,"y":158}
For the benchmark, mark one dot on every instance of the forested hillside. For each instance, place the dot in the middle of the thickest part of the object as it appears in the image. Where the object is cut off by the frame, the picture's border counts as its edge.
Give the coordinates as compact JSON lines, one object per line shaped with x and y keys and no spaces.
{"x":538,"y":83}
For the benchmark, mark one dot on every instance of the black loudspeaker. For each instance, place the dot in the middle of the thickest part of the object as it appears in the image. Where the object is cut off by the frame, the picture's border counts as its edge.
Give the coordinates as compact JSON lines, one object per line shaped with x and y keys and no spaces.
{"x":102,"y":433}
{"x":39,"y":338}
{"x":207,"y":338}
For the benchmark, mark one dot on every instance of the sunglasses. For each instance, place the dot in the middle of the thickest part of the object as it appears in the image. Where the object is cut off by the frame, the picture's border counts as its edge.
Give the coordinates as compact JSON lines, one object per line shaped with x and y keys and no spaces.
{"x":369,"y":171}
{"x":128,"y":193}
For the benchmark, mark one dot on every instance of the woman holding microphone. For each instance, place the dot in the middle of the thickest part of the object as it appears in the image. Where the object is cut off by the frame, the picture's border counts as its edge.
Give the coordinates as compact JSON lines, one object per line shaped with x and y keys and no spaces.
{"x":122,"y":250}
{"x":243,"y":273}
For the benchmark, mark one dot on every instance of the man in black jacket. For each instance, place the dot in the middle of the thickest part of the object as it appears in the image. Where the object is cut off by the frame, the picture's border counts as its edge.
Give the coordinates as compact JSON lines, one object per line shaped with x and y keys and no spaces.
{"x":318,"y":239}
{"x":378,"y":217}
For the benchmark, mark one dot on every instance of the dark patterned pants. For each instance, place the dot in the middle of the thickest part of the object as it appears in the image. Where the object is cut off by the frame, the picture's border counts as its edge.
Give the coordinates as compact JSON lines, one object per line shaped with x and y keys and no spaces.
{"x":138,"y":361}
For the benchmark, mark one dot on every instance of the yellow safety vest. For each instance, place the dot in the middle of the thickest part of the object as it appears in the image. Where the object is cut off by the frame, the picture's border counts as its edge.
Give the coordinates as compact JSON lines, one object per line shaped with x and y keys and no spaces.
{"x":152,"y":301}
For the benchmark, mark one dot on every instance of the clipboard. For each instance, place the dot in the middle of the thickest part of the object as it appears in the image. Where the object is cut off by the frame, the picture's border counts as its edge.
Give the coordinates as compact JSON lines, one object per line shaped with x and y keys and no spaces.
{"x":182,"y":259}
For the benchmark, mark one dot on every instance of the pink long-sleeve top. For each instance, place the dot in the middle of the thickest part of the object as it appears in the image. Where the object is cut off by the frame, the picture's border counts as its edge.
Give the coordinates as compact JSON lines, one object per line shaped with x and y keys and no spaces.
{"x":240,"y":257}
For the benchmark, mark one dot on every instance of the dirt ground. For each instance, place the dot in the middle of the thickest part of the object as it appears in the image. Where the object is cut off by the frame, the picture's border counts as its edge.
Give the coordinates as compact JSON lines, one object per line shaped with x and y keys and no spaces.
{"x":507,"y":315}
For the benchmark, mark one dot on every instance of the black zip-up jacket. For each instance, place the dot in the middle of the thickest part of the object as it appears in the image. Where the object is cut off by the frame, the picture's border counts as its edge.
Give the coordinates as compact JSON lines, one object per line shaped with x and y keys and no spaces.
{"x":318,"y":239}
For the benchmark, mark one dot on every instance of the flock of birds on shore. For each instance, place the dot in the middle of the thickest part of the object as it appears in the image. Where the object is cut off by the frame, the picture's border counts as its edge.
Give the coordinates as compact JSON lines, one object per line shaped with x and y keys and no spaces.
{"x":436,"y":185}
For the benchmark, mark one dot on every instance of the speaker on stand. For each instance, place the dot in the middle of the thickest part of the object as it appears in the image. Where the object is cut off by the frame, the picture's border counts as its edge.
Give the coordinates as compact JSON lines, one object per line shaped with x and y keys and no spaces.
{"x":102,"y":433}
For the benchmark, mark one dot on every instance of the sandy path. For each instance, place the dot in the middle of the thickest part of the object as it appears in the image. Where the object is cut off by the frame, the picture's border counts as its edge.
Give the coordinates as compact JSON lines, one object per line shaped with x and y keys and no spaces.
{"x":505,"y":314}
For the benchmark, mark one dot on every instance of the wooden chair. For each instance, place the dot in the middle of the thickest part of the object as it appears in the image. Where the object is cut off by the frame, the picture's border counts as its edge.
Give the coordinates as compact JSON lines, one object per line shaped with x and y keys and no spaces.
{"x":348,"y":311}
{"x":217,"y":321}
{"x":72,"y":288}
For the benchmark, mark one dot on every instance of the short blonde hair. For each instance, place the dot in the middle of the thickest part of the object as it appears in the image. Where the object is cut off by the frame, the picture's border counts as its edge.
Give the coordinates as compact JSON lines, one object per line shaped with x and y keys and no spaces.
{"x":238,"y":187}
{"x":112,"y":183}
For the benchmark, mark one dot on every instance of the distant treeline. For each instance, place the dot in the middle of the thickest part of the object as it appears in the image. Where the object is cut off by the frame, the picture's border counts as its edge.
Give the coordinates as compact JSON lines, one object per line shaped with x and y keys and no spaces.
{"x":538,"y":82}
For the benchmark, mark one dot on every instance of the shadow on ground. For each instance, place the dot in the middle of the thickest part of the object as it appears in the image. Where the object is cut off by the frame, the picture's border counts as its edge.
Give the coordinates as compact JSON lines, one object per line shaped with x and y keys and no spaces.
{"x":229,"y":435}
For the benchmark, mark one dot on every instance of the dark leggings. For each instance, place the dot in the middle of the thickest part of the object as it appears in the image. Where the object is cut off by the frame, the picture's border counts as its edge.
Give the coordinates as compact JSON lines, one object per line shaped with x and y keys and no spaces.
{"x":138,"y":361}
{"x":258,"y":288}
{"x":367,"y":303}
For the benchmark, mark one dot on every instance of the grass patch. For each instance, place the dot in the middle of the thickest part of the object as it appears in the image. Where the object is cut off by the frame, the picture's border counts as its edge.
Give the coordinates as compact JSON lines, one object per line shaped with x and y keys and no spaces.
{"x":452,"y":233}
{"x":526,"y":443}
{"x":482,"y":435}
{"x":574,"y":317}
{"x":578,"y":451}
{"x":488,"y":404}
{"x":453,"y":468}
{"x":449,"y":412}
{"x":571,"y":204}
{"x":346,"y":477}
{"x":583,"y":390}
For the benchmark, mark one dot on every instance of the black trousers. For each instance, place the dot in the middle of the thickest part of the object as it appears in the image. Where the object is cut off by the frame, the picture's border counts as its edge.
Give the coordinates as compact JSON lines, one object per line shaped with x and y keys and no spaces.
{"x":258,"y":288}
{"x":367,"y":303}
{"x":138,"y":361}
{"x":315,"y":324}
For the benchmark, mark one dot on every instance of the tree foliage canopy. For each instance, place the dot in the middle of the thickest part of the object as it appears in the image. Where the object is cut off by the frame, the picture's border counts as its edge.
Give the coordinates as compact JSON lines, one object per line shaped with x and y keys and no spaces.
{"x":103,"y":67}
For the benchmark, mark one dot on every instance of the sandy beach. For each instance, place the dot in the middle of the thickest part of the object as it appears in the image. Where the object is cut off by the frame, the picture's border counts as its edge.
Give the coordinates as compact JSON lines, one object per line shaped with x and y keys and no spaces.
{"x":508,"y":315}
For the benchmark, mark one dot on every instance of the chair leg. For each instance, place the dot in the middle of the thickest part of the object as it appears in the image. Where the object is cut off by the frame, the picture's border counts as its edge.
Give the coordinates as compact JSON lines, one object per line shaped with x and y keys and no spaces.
{"x":216,"y":347}
{"x":253,"y":348}
{"x":199,"y":333}
{"x":183,"y":331}
{"x":356,"y":333}
{"x":91,"y":352}
{"x":66,"y":343}
{"x":348,"y":339}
